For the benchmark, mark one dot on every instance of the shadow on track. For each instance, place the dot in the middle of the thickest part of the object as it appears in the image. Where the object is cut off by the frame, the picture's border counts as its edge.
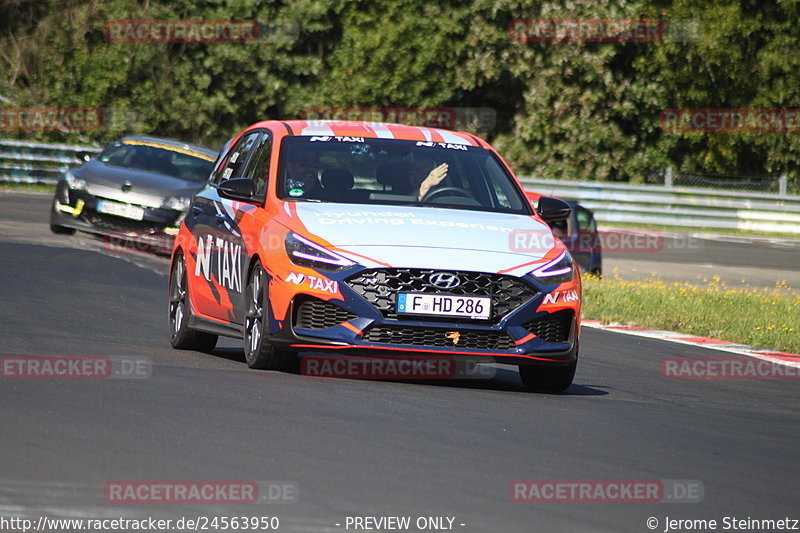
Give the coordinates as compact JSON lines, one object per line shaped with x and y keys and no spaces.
{"x":506,"y":379}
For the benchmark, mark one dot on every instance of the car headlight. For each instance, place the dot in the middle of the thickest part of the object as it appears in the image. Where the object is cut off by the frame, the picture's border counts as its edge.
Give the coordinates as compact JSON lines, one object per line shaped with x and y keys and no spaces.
{"x":307,"y":253}
{"x":558,"y":270}
{"x":76,"y":183}
{"x":178,"y":203}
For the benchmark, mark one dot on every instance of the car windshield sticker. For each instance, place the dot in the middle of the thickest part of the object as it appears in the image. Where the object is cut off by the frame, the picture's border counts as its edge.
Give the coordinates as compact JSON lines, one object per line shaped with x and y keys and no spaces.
{"x":449,"y":146}
{"x":296,"y":192}
{"x":326,"y":138}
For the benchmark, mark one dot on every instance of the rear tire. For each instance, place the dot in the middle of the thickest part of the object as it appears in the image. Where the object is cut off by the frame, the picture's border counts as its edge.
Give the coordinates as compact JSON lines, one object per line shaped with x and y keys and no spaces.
{"x":181,"y":336}
{"x":539,"y":378}
{"x":258,"y":352}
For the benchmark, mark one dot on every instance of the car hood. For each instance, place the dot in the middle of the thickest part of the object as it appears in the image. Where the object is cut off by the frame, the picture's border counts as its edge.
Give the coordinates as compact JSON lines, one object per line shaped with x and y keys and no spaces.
{"x":147,"y":188}
{"x":424,"y":237}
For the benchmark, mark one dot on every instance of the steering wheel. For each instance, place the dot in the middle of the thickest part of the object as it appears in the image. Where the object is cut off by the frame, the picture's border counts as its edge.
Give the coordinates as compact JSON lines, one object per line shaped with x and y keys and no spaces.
{"x":433,"y":193}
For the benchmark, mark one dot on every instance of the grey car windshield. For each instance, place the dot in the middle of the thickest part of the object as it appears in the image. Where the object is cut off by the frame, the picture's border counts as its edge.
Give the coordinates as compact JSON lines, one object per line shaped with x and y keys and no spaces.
{"x":159,"y":158}
{"x":389,"y":171}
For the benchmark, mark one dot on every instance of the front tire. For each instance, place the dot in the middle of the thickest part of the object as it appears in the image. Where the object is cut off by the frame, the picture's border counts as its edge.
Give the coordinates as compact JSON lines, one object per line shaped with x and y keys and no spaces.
{"x":181,"y":336}
{"x":258,"y":352}
{"x":537,"y":378}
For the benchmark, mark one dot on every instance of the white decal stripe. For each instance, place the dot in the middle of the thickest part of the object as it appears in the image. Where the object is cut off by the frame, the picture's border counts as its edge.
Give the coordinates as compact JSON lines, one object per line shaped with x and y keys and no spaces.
{"x":381,"y":131}
{"x":317,"y":127}
{"x":452,"y":138}
{"x":286,"y":208}
{"x":427,"y":134}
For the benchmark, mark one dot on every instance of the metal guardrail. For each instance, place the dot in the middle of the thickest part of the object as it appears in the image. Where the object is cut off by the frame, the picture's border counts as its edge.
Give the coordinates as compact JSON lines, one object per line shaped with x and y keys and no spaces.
{"x":678,"y":206}
{"x":29,"y":162}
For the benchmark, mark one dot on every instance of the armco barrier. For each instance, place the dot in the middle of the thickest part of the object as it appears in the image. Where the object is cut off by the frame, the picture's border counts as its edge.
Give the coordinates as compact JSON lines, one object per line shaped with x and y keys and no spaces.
{"x":680,"y":206}
{"x":29,"y":162}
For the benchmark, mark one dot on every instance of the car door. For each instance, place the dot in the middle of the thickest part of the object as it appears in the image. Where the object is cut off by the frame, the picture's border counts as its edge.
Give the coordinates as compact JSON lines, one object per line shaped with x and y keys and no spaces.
{"x":219,"y":251}
{"x":245,"y":219}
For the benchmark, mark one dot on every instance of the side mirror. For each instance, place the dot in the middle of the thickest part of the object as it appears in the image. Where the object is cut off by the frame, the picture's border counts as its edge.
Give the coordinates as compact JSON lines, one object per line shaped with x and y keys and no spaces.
{"x":553,"y":209}
{"x":242,"y":189}
{"x":83,"y":156}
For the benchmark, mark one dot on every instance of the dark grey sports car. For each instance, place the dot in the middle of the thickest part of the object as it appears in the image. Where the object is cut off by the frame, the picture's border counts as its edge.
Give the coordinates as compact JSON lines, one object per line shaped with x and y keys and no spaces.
{"x":136,"y":188}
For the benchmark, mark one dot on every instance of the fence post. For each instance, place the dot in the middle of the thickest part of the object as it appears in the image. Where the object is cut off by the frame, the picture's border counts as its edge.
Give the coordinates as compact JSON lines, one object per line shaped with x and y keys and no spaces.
{"x":782,"y":185}
{"x":668,"y":178}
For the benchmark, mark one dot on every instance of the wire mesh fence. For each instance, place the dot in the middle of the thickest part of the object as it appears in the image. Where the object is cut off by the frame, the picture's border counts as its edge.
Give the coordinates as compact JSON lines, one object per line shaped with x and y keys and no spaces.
{"x":770,"y":184}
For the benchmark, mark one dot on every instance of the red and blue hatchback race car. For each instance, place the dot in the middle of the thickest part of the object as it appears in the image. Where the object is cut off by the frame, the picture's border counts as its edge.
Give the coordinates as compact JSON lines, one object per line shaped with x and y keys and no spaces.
{"x":370,"y":238}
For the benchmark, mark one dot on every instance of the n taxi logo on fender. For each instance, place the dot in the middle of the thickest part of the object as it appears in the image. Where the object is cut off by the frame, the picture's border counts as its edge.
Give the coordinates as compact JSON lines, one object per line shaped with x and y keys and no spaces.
{"x":227,"y":268}
{"x":314,"y":283}
{"x":565,"y":296}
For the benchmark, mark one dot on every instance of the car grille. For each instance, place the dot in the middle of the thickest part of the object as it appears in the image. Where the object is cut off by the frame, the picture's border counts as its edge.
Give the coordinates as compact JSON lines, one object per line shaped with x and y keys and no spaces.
{"x":121,"y":224}
{"x":438,"y":338}
{"x":380,"y":287}
{"x":553,"y":327}
{"x":317,"y":314}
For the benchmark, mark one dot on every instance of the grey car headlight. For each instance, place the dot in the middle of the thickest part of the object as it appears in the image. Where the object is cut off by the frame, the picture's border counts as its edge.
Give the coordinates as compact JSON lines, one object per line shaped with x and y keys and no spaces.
{"x":178,"y":203}
{"x":76,"y":183}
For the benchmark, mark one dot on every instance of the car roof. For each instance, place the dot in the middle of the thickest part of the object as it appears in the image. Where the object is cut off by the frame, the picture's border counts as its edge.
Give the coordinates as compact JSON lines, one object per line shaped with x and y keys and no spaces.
{"x":172,"y":143}
{"x":380,"y":130}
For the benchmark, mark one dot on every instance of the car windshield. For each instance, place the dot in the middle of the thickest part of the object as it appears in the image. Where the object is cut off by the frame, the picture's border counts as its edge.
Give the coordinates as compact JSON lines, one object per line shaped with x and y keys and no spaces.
{"x":160,"y":158}
{"x":389,"y":171}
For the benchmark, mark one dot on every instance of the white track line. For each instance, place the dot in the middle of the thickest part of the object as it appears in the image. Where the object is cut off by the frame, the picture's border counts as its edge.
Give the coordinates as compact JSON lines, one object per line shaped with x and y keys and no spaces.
{"x":779,"y":358}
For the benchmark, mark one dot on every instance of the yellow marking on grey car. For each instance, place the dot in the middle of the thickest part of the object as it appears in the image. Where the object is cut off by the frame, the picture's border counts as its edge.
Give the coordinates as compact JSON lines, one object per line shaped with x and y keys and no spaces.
{"x":178,"y":149}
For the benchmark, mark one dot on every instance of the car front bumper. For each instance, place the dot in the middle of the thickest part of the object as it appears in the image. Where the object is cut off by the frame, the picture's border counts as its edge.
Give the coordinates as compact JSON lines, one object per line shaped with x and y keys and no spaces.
{"x":77,"y":209}
{"x":524,"y":334}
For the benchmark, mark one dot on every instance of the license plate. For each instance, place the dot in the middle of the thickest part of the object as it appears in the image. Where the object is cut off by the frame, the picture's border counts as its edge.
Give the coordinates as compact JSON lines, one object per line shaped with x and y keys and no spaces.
{"x":444,"y":305}
{"x":120,"y":210}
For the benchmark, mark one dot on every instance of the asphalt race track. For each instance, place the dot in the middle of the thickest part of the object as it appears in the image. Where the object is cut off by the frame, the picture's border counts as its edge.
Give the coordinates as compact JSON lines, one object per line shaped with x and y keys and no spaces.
{"x":354,"y":447}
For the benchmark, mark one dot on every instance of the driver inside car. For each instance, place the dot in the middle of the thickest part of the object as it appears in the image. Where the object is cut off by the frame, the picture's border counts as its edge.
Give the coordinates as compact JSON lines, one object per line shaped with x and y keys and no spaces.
{"x":425,"y":175}
{"x":303,"y":174}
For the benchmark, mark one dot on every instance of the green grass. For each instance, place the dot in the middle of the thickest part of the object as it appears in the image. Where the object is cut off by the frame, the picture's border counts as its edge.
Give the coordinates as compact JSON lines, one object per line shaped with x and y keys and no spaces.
{"x":27,"y":187}
{"x":764,"y":318}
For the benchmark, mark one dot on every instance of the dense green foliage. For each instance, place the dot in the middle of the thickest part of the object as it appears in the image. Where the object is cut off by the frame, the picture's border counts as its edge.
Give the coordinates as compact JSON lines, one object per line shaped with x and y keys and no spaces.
{"x":572,"y":110}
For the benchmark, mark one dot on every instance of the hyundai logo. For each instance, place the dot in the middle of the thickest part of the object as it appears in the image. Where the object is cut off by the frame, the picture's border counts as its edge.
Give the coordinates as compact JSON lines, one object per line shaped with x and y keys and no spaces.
{"x":444,"y":280}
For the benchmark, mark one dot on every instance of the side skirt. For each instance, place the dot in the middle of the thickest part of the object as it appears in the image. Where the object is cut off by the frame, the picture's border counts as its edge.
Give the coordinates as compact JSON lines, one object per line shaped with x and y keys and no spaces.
{"x":217,"y":328}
